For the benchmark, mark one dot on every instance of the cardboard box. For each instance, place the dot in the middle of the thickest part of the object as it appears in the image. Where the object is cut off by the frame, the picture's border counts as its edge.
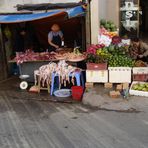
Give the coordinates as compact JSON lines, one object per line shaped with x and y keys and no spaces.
{"x":97,"y":76}
{"x":125,"y":85}
{"x":108,"y":85}
{"x":114,"y":94}
{"x":119,"y":87}
{"x":120,"y":74}
{"x":89,"y":85}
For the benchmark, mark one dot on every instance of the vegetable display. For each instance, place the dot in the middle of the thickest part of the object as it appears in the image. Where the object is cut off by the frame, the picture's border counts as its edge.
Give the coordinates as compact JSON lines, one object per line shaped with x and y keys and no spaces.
{"x":108,"y":25}
{"x":120,"y":61}
{"x":140,"y":87}
{"x":115,"y":55}
{"x":119,"y":57}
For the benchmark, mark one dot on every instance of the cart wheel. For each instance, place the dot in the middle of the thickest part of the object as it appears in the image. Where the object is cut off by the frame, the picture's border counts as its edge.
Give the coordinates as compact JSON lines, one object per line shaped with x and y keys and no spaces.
{"x":23,"y":85}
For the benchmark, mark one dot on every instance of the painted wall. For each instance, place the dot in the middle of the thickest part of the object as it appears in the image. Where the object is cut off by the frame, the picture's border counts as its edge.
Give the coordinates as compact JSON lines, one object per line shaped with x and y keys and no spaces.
{"x":9,"y":5}
{"x":109,"y":9}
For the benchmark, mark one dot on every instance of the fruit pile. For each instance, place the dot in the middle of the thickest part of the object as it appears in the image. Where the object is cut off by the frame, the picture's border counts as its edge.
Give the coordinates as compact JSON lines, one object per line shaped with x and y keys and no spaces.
{"x":120,"y":61}
{"x":108,"y":25}
{"x":115,"y":55}
{"x":140,"y":87}
{"x":119,"y":57}
{"x":103,"y":52}
{"x":140,"y":63}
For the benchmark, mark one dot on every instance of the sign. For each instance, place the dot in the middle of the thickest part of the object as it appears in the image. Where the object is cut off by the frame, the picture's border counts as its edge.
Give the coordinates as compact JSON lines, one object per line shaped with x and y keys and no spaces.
{"x":129,"y":18}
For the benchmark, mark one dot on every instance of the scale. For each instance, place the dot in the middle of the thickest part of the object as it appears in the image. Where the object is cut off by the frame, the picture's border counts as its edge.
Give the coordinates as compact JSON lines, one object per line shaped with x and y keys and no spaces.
{"x":23,"y":78}
{"x":24,"y":83}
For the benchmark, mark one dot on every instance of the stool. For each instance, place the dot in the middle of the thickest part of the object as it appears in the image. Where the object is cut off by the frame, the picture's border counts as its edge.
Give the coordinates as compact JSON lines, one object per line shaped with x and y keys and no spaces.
{"x":77,"y":75}
{"x":38,"y":83}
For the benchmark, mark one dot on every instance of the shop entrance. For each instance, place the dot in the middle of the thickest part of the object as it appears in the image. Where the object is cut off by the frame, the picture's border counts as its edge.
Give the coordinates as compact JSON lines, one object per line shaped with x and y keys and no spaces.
{"x":143,"y":28}
{"x":36,"y":38}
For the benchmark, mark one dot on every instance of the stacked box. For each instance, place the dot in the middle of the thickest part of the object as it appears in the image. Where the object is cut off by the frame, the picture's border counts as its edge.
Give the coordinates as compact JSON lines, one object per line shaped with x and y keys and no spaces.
{"x":120,"y":74}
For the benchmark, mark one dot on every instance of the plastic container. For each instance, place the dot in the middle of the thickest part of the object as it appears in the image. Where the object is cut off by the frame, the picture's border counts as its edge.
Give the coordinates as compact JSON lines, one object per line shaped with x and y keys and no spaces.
{"x":94,"y":66}
{"x":137,"y":92}
{"x":120,"y":74}
{"x":140,"y":77}
{"x":77,"y":92}
{"x":140,"y":74}
{"x":97,"y":76}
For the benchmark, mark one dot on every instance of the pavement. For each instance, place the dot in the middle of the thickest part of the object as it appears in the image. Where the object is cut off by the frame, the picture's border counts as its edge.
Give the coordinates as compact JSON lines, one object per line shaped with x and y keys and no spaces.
{"x":99,"y":97}
{"x":33,"y":121}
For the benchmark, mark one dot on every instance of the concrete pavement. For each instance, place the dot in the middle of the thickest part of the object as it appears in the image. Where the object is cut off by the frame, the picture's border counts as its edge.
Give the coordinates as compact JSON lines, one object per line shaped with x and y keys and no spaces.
{"x":41,"y":124}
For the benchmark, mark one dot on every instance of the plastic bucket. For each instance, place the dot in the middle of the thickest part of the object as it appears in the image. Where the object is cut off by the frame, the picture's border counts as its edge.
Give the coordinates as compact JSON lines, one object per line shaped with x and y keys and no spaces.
{"x":77,"y":92}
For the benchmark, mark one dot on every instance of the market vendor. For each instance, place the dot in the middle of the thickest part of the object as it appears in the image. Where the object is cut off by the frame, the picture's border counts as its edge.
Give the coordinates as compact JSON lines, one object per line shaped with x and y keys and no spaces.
{"x":139,"y":49}
{"x":55,"y":37}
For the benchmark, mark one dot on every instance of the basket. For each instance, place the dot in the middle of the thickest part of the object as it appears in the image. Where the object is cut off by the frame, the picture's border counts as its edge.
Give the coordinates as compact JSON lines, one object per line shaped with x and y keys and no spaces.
{"x":99,"y":66}
{"x":77,"y":92}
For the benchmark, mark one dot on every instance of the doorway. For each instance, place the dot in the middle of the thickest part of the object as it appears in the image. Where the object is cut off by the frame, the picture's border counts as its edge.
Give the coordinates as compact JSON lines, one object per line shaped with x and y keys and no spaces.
{"x":143,"y":28}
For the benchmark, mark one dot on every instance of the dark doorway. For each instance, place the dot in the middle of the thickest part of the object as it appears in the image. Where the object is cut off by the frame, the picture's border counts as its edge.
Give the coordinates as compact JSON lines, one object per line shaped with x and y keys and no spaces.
{"x":144,"y":20}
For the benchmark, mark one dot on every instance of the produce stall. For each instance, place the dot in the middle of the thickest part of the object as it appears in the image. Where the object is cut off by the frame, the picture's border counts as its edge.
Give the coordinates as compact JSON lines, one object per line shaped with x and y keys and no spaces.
{"x":116,"y":63}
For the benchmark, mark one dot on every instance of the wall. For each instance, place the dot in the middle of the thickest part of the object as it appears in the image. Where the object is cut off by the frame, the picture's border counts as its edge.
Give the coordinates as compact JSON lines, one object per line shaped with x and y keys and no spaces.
{"x":94,"y":21}
{"x":9,"y":5}
{"x":109,"y":9}
{"x":102,"y":8}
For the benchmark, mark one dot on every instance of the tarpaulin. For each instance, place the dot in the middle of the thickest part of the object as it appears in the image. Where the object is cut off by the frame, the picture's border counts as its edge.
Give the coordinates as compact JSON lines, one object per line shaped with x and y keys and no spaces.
{"x":16,"y":18}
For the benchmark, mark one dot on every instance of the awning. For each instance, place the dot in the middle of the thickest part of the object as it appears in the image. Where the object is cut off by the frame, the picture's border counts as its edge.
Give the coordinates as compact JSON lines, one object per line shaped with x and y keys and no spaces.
{"x":18,"y":18}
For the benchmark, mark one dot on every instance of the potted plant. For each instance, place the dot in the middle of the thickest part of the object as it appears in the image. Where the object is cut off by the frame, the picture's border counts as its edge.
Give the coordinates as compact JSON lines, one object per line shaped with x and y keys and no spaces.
{"x":96,"y":61}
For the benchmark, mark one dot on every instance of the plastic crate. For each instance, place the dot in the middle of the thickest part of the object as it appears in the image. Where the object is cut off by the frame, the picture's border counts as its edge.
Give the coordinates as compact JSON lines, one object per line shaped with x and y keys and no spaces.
{"x":100,"y":76}
{"x":137,"y":92}
{"x":140,"y":77}
{"x":140,"y":74}
{"x":94,"y":66}
{"x":140,"y":70}
{"x":120,"y":74}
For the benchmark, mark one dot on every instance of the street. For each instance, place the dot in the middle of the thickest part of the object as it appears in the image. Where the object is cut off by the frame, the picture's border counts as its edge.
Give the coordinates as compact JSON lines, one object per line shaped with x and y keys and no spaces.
{"x":43,"y":124}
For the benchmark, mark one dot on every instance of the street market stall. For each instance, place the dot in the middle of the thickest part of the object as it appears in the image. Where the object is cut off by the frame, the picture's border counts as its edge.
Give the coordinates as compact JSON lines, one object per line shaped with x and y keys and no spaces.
{"x":30,"y":61}
{"x":37,"y":26}
{"x":114,"y":61}
{"x":117,"y":62}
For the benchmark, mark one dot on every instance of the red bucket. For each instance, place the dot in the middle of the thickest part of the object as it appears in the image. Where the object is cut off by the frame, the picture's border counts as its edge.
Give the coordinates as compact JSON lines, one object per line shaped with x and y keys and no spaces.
{"x":77,"y":92}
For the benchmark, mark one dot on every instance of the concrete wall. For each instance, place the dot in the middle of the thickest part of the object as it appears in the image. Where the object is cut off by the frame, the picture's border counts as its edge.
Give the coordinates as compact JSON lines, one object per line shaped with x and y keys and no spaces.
{"x":94,"y":21}
{"x":109,"y":9}
{"x":9,"y":5}
{"x":102,"y":8}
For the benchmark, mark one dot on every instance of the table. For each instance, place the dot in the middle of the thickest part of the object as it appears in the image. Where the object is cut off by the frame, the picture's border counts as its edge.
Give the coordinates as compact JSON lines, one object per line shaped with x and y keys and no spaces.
{"x":28,"y":68}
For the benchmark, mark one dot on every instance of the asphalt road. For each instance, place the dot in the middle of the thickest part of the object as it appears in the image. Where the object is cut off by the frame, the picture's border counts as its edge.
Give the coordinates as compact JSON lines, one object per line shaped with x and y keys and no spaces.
{"x":43,"y":124}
